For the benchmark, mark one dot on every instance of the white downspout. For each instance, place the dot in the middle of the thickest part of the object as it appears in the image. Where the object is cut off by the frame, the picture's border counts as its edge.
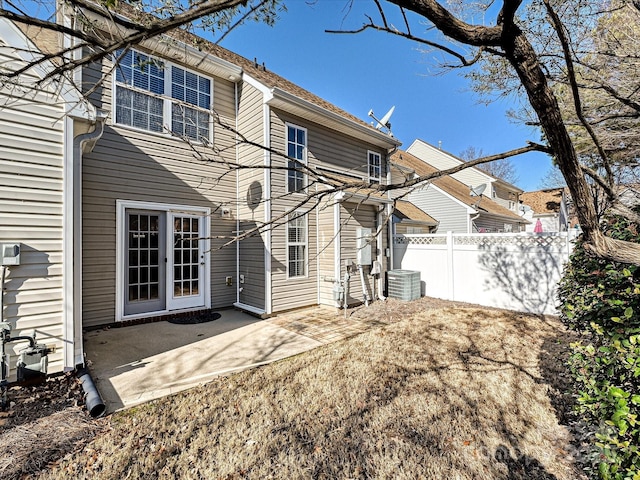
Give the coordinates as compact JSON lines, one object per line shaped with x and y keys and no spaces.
{"x":78,"y":143}
{"x":471,"y":219}
{"x":380,"y":249}
{"x":337,"y":256}
{"x":268,"y":304}
{"x":237,"y":201}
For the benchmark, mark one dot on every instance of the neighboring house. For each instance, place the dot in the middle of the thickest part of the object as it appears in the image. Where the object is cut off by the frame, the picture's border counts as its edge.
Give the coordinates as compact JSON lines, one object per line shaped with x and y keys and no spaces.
{"x":500,"y":191}
{"x":550,"y":206}
{"x":141,"y":226}
{"x":450,"y":202}
{"x":43,"y":132}
{"x":409,"y":219}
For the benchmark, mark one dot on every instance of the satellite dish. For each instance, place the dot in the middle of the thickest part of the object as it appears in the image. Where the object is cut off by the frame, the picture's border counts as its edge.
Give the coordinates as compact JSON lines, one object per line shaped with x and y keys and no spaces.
{"x":477,"y":191}
{"x":525,"y":208}
{"x":384,"y":121}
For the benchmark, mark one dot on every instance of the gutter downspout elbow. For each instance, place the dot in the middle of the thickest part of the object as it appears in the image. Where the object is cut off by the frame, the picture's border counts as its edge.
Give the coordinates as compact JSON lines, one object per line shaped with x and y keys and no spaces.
{"x":92,"y":399}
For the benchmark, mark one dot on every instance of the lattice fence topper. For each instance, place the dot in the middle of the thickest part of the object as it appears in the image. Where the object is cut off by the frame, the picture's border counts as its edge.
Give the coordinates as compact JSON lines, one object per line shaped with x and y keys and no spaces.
{"x":518,"y":241}
{"x":486,"y":240}
{"x":420,"y":240}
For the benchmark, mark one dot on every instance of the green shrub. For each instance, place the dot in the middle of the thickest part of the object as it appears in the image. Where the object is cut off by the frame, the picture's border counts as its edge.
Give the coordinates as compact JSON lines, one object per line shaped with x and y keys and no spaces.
{"x":601,"y":299}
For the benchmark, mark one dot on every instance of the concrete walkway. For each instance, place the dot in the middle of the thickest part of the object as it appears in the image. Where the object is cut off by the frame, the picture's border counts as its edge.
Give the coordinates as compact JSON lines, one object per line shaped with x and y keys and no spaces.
{"x":138,"y":363}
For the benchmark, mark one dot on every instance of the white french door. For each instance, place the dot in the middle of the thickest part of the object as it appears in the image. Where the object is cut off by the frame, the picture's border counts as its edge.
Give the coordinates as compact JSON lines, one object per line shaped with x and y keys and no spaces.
{"x":185,"y":287}
{"x":163,"y":259}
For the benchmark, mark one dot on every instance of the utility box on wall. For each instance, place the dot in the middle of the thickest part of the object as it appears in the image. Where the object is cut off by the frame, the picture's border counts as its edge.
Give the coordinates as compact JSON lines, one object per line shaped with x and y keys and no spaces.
{"x":363,"y":245}
{"x":9,"y":254}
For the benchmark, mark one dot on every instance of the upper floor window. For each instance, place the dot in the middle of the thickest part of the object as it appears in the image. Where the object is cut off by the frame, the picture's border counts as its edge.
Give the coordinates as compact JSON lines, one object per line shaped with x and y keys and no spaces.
{"x":297,"y":153}
{"x":150,"y":94}
{"x":297,"y":245}
{"x":375,"y":167}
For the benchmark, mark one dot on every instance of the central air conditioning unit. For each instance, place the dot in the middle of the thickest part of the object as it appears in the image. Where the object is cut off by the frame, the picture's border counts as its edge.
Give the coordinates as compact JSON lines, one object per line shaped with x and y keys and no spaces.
{"x":403,"y":284}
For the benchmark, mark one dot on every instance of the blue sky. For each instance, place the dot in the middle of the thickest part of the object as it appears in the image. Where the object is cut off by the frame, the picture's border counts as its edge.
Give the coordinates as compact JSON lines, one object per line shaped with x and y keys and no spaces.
{"x":374,"y":70}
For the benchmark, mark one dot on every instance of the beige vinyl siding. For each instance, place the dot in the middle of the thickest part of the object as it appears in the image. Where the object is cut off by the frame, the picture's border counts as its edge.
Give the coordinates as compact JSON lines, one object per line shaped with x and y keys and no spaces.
{"x":251,"y":185}
{"x":326,"y":255}
{"x":491,"y":224}
{"x":252,"y":268}
{"x":325,"y":148}
{"x":129,"y":164}
{"x":352,"y":216}
{"x":294,"y":292}
{"x":442,"y":160}
{"x":505,"y":197}
{"x":31,"y":212}
{"x":398,"y":177}
{"x":401,"y":228}
{"x":451,"y":215}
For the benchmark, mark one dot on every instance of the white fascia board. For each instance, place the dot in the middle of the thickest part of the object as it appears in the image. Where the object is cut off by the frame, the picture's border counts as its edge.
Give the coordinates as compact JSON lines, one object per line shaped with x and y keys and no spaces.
{"x":408,"y":221}
{"x":509,"y":186}
{"x":75,"y":104}
{"x":258,"y":85}
{"x":505,"y":217}
{"x":470,"y":209}
{"x":361,"y":198}
{"x":305,"y":109}
{"x":168,"y":47}
{"x":402,"y":168}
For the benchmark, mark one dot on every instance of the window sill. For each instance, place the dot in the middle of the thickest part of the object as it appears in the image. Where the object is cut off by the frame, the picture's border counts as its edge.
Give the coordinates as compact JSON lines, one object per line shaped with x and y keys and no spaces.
{"x":163,"y":135}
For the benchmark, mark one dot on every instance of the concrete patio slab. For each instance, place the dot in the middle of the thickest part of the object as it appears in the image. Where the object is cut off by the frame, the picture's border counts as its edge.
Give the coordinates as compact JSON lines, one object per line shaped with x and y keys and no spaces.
{"x":138,"y":363}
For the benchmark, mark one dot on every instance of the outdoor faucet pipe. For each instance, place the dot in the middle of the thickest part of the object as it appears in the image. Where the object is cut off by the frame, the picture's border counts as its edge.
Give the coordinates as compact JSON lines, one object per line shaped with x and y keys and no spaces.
{"x":31,"y":340}
{"x":93,"y":400}
{"x":365,"y":293}
{"x":2,"y":277}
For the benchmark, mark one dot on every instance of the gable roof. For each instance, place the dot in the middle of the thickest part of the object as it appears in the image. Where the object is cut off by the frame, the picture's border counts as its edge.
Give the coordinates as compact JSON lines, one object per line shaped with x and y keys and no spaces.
{"x":24,"y":47}
{"x":284,"y":93}
{"x":453,"y":160}
{"x":455,"y":188}
{"x":408,"y":211}
{"x":546,"y":201}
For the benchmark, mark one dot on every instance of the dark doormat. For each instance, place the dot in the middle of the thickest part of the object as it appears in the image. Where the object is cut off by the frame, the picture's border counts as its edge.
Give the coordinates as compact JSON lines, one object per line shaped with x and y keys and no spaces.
{"x":195,"y":318}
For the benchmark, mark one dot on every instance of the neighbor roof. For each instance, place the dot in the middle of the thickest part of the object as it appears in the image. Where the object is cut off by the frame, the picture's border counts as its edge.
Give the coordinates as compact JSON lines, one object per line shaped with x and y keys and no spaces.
{"x":453,"y":187}
{"x":543,"y":201}
{"x":407,"y":210}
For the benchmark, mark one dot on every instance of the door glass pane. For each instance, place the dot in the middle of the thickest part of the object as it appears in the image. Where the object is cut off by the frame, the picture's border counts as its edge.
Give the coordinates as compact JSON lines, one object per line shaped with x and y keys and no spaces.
{"x":143,"y":257}
{"x":186,"y":256}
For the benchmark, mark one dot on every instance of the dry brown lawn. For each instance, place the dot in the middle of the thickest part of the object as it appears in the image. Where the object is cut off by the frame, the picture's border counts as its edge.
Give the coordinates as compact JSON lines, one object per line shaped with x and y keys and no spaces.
{"x":454,"y":393}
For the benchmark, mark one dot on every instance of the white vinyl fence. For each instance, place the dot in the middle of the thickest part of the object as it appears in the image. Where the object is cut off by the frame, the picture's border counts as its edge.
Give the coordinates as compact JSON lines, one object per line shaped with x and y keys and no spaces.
{"x":518,"y":271}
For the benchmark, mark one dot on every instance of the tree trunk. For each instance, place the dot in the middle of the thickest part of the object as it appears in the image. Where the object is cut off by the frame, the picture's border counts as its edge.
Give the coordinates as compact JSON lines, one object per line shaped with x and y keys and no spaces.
{"x":524,"y":60}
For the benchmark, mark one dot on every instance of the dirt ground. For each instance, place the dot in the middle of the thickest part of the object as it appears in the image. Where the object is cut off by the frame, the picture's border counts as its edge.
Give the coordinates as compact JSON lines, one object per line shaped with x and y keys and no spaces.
{"x":46,"y":422}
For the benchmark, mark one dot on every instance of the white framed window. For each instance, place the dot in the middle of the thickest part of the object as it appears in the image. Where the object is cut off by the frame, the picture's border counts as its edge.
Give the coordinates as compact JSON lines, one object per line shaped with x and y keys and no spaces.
{"x":151,"y":94}
{"x":297,"y":153}
{"x":297,"y":245}
{"x":374,"y":166}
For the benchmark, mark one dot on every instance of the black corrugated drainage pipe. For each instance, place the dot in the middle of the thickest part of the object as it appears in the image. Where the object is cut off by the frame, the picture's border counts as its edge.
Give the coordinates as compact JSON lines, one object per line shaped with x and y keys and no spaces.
{"x":92,"y":399}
